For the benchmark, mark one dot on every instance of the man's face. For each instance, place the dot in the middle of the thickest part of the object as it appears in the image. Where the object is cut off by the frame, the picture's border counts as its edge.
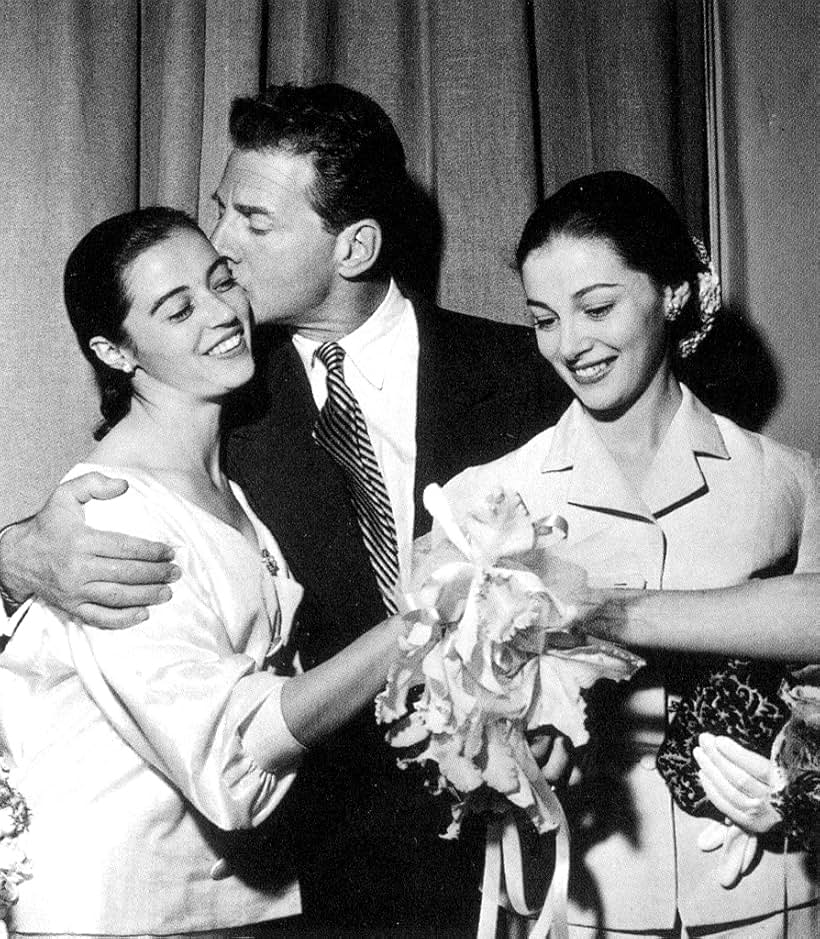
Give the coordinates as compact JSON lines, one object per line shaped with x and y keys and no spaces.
{"x":280,"y":252}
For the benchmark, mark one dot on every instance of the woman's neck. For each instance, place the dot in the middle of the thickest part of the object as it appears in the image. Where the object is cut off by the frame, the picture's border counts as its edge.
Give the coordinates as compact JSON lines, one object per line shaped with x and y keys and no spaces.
{"x":175,"y":438}
{"x":167,"y":434}
{"x":634,"y":437}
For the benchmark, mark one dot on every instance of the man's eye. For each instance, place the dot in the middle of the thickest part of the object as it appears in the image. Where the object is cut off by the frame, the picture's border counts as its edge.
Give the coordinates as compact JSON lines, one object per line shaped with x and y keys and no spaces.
{"x":259,"y":224}
{"x":224,"y":284}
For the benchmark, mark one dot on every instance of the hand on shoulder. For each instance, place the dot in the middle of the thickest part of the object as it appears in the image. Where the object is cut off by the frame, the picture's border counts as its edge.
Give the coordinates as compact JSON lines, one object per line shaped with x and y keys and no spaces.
{"x":101,"y":578}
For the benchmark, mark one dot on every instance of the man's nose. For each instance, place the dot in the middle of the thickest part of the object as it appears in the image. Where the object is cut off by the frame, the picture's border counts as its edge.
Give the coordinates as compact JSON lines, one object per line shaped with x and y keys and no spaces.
{"x":221,"y":236}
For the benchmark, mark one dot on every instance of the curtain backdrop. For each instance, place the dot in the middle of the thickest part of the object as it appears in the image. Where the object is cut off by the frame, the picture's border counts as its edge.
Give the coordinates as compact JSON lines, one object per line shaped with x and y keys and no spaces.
{"x":108,"y":104}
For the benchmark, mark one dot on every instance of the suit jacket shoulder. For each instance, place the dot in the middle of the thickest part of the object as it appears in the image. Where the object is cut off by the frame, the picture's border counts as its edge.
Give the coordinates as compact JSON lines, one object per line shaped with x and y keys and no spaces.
{"x":483,"y":390}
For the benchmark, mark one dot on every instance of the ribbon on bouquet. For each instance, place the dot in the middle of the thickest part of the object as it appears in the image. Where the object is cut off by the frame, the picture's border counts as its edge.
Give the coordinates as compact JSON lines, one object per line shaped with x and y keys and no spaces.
{"x":503,"y":858}
{"x":504,"y":866}
{"x":496,"y":654}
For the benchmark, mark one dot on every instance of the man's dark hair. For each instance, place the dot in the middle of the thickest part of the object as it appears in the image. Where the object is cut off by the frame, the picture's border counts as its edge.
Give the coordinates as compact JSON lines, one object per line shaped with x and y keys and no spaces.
{"x":359,"y":161}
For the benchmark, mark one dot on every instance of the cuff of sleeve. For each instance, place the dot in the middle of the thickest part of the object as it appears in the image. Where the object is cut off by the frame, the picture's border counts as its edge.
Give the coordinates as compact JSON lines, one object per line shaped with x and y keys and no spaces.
{"x":9,"y":623}
{"x":267,"y":738}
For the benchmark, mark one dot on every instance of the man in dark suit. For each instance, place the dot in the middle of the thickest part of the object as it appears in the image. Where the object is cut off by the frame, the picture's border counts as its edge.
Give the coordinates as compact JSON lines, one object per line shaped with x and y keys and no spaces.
{"x":323,"y":169}
{"x":313,"y":205}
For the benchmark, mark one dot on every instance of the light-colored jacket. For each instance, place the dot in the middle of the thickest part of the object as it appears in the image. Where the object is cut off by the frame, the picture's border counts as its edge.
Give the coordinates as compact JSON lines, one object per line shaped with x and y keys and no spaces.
{"x":128,"y":743}
{"x":720,"y":506}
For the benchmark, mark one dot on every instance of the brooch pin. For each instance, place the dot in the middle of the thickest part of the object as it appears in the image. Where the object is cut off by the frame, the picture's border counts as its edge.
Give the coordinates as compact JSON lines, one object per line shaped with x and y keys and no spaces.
{"x":270,"y":562}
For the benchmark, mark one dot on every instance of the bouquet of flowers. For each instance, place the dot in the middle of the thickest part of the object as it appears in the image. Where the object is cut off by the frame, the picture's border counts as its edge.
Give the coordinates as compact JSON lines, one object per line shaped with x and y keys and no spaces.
{"x":14,"y":865}
{"x":497,"y":656}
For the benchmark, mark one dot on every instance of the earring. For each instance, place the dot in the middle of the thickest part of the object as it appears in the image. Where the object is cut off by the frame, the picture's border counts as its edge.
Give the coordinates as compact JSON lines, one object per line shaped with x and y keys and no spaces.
{"x":671,"y":308}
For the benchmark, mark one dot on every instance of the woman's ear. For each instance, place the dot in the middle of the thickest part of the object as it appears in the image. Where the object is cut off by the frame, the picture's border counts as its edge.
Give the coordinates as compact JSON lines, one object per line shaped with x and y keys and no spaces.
{"x":358,"y":246}
{"x":112,"y":355}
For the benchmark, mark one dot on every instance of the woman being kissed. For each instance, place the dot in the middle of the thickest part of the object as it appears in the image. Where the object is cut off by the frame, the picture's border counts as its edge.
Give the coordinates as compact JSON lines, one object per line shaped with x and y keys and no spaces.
{"x":153,"y":758}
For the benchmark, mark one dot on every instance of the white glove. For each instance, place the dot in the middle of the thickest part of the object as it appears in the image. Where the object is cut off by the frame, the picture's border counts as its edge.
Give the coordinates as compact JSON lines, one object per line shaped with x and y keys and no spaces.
{"x":738,"y":782}
{"x":738,"y":850}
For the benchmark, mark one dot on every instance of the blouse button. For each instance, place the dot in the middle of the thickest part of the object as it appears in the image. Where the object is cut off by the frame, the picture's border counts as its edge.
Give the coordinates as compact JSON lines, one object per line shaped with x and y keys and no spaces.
{"x":648,"y":762}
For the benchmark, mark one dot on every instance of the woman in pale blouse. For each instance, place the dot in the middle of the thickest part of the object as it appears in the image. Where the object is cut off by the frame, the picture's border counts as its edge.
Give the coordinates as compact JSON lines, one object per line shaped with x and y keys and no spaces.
{"x":659,"y":494}
{"x":153,"y":758}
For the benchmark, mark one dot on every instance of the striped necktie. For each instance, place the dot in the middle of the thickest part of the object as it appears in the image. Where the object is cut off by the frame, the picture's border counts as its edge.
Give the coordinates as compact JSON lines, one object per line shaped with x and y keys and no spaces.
{"x":342,"y":432}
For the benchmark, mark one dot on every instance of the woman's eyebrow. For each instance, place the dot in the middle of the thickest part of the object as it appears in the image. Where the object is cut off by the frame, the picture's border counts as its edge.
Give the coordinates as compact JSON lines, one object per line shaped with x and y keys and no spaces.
{"x":166,"y":296}
{"x":539,"y":304}
{"x":585,"y":290}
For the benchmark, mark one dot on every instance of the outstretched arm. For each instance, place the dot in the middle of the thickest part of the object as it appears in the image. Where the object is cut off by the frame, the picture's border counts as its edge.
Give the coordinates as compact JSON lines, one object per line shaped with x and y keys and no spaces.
{"x":777,"y":618}
{"x":102,"y":578}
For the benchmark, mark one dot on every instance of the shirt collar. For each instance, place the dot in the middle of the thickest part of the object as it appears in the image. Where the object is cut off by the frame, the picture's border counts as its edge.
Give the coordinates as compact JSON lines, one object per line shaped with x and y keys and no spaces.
{"x":369,"y":347}
{"x":673,"y":478}
{"x":695,"y":421}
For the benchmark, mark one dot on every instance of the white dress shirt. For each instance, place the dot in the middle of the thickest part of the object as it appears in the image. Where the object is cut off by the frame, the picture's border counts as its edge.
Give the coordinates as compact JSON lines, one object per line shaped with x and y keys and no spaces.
{"x":381,"y":369}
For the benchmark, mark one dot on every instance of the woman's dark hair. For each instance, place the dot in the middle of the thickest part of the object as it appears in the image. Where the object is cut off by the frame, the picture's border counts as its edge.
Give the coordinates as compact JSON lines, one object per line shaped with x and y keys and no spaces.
{"x":635,"y":219}
{"x":96,"y":294}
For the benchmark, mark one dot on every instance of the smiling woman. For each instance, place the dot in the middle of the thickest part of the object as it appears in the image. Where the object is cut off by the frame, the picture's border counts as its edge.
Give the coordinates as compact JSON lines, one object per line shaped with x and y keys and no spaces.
{"x":659,"y":494}
{"x":149,"y":298}
{"x":599,"y":323}
{"x":152,"y":757}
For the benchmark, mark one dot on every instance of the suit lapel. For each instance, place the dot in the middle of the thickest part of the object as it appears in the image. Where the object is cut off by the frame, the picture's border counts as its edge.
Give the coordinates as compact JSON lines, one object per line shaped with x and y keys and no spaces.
{"x":434,"y":409}
{"x":450,"y":382}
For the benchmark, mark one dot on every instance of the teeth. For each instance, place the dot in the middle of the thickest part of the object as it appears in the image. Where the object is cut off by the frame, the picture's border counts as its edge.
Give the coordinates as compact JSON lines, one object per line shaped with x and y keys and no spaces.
{"x":591,"y":371}
{"x":226,"y":345}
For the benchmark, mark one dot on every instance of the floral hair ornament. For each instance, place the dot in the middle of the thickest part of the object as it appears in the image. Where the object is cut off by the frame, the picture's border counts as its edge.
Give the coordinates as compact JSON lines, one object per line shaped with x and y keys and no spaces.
{"x":709,"y":302}
{"x":497,"y":656}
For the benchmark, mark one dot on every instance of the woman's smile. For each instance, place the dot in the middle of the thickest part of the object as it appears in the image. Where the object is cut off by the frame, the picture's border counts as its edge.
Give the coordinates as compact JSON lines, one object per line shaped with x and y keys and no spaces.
{"x":232,"y":345}
{"x":590,"y":373}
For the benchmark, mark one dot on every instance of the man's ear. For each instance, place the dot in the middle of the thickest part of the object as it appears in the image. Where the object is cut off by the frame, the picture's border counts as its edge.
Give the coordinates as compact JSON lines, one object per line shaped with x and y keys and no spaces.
{"x":358,"y":247}
{"x":112,"y":355}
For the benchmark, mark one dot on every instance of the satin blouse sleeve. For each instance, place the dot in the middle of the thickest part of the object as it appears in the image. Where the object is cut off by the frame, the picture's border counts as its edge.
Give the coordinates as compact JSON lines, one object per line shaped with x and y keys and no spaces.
{"x":180,"y":688}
